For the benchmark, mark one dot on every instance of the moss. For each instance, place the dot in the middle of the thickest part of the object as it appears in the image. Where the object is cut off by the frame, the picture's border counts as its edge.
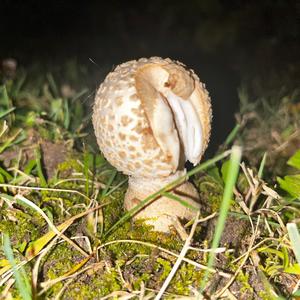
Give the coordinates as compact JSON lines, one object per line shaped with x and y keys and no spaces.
{"x":70,"y":165}
{"x":94,"y":286}
{"x":144,"y":277}
{"x":45,"y":133}
{"x":186,"y":277}
{"x":21,"y":225}
{"x":166,"y":266}
{"x":265,"y":295}
{"x":141,"y":232}
{"x":82,"y":291}
{"x":211,"y":191}
{"x":244,"y":280}
{"x":114,"y":210}
{"x":91,"y":284}
{"x":58,"y":261}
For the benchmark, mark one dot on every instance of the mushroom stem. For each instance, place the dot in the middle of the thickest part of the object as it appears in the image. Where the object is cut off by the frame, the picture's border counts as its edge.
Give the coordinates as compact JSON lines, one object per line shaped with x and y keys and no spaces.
{"x":163,"y":211}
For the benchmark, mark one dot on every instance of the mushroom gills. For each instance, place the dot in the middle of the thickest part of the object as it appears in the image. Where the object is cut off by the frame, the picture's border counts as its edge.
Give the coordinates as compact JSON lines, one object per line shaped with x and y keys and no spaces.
{"x":188,"y":126}
{"x":172,"y":116}
{"x":164,"y":130}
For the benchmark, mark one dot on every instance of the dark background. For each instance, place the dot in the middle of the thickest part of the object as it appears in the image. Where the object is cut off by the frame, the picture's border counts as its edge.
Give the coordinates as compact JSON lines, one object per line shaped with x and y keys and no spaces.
{"x":226,"y":42}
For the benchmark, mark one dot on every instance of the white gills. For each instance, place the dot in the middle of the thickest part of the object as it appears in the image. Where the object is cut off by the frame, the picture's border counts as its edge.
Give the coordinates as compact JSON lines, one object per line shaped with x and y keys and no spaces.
{"x":181,"y":124}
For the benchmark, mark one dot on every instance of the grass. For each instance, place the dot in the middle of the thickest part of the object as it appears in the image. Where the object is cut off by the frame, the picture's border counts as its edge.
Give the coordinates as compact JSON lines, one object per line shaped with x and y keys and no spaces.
{"x":22,"y":281}
{"x":64,"y":233}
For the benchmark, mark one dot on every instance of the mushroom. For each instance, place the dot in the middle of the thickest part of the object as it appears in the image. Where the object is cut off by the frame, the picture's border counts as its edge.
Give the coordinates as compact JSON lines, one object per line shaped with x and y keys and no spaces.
{"x":150,"y":117}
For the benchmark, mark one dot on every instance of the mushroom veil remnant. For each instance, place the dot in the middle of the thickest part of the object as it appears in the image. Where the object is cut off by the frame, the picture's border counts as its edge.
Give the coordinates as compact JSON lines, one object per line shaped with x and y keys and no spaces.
{"x":150,"y":117}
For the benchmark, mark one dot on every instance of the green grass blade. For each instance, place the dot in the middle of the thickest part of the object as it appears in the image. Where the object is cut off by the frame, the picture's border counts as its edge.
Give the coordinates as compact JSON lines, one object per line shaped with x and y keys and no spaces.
{"x":7,"y":175}
{"x":39,"y":167}
{"x":295,"y":239}
{"x":67,"y":117}
{"x":269,"y":290}
{"x":10,"y":141}
{"x":6,"y":112}
{"x":181,"y":201}
{"x":110,"y":180}
{"x":294,"y":161}
{"x":18,"y":84}
{"x":6,"y":196}
{"x":262,"y":165}
{"x":86,"y":159}
{"x":79,"y":94}
{"x":296,"y":294}
{"x":29,"y":166}
{"x":22,"y":281}
{"x":232,"y":135}
{"x":6,"y":101}
{"x":53,"y":85}
{"x":233,"y":171}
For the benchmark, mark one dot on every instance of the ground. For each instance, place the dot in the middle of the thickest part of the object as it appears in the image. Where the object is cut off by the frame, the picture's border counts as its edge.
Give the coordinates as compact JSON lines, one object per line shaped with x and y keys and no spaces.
{"x":64,"y":231}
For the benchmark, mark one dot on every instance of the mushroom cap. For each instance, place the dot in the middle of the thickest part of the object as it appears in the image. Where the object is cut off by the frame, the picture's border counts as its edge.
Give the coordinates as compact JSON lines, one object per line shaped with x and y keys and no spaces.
{"x":150,"y":116}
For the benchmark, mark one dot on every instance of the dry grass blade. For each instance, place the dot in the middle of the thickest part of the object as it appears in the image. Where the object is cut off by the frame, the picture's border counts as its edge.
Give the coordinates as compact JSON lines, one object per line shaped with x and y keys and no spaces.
{"x":122,"y":295}
{"x":35,"y":270}
{"x":48,"y":284}
{"x":33,"y":188}
{"x":33,"y":250}
{"x":51,"y":225}
{"x":179,"y":260}
{"x":200,"y":266}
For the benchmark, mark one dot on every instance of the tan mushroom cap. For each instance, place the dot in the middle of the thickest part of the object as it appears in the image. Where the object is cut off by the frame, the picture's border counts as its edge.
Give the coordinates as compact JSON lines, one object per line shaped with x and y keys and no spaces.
{"x":135,"y":117}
